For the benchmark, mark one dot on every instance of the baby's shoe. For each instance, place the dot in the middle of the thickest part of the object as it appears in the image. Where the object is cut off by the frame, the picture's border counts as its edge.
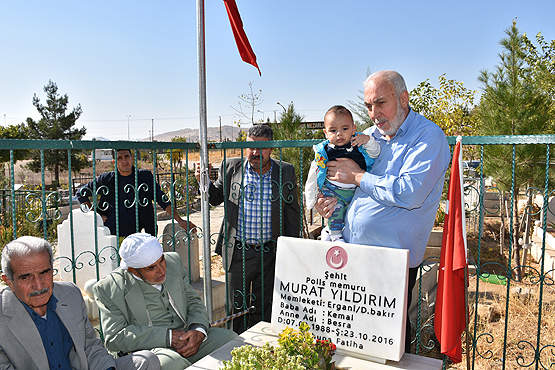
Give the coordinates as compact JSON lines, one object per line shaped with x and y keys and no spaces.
{"x":325,"y":235}
{"x":337,"y":239}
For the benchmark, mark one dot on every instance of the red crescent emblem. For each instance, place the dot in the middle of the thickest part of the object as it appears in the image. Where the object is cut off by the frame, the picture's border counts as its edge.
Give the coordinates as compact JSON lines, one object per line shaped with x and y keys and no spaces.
{"x":336,"y":257}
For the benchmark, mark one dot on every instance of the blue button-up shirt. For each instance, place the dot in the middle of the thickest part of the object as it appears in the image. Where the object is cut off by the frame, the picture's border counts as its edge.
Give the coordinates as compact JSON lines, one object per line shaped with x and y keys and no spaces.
{"x":396,"y":203}
{"x":55,"y":337}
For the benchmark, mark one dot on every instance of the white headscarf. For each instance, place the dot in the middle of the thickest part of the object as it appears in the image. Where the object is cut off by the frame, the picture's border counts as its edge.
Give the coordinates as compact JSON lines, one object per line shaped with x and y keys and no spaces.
{"x":139,"y":250}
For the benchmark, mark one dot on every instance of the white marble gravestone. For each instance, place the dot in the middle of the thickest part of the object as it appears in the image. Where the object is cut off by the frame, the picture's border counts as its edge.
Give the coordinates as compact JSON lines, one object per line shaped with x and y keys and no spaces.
{"x":84,"y":248}
{"x":354,"y":295}
{"x":183,"y":247}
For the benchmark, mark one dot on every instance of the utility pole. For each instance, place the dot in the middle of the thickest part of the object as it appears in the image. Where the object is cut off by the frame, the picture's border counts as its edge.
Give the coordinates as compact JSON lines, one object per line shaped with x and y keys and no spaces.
{"x":128,"y":136}
{"x":221,"y":151}
{"x":152,"y":137}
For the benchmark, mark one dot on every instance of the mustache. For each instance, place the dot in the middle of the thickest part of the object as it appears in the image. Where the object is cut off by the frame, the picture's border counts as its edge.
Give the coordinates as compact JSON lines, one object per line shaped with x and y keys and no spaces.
{"x":38,"y":292}
{"x":254,"y":157}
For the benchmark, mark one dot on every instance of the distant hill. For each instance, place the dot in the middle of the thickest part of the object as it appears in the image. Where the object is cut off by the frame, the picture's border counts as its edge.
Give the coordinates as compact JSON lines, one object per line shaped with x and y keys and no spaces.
{"x":193,"y":135}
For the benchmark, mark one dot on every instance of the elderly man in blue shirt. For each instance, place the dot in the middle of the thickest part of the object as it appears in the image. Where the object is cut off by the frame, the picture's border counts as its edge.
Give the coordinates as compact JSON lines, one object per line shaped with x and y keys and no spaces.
{"x":396,"y":202}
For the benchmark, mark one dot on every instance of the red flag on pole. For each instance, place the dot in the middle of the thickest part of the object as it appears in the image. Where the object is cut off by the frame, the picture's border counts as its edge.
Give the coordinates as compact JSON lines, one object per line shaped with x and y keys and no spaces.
{"x":450,"y":311}
{"x":241,"y":39}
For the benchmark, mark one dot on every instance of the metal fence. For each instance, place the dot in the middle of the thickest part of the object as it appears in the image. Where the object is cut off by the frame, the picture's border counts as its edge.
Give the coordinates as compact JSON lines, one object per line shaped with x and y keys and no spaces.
{"x":511,"y":303}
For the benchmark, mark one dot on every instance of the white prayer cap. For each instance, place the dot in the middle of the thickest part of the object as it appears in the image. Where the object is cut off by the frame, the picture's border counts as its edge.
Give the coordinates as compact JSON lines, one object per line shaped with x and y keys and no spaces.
{"x":139,"y":250}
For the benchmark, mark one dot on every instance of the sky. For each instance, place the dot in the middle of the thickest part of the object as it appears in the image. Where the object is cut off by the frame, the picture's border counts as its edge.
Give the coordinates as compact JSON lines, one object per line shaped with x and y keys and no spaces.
{"x":128,"y":63}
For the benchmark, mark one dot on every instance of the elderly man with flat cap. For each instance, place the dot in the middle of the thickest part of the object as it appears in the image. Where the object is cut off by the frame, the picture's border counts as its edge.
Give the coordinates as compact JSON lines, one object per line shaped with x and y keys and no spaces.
{"x":148,"y":303}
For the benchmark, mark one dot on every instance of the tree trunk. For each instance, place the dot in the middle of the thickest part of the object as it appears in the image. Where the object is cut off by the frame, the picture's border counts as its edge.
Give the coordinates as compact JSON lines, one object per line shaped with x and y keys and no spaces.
{"x":56,"y":181}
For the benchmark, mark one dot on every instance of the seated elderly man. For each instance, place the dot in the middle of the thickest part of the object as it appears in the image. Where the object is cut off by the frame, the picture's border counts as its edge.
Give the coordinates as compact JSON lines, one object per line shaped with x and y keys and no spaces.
{"x":148,"y":303}
{"x":44,"y":324}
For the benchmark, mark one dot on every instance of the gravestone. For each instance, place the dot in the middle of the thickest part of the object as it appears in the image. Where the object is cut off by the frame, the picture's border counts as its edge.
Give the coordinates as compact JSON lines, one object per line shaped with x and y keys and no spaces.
{"x":183,"y":247}
{"x":354,"y":295}
{"x":550,"y":213}
{"x":84,"y":248}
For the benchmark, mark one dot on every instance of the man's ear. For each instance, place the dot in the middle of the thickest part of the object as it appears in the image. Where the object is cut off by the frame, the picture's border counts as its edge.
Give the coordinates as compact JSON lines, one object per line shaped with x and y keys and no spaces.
{"x":7,"y":281}
{"x":133,"y":271}
{"x":404,"y":98}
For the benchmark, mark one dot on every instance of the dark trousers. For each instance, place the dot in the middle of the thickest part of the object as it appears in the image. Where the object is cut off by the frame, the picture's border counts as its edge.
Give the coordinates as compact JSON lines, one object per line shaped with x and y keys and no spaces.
{"x":412,"y":281}
{"x":249,"y":287}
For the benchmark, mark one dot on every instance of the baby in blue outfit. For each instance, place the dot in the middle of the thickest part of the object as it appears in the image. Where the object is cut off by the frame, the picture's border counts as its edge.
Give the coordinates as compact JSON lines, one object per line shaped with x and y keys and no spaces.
{"x":342,"y":142}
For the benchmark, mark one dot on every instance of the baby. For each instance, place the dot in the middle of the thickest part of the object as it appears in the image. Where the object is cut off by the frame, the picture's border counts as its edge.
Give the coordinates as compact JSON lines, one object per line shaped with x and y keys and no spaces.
{"x":342,"y":142}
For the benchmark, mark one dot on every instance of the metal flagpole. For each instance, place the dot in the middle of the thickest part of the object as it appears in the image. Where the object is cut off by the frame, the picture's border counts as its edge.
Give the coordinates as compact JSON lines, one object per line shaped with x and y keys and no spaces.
{"x":204,"y":179}
{"x":466,"y":318}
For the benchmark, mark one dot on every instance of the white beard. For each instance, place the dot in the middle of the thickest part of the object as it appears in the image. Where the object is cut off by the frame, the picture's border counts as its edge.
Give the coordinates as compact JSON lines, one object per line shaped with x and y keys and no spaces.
{"x":395,"y":123}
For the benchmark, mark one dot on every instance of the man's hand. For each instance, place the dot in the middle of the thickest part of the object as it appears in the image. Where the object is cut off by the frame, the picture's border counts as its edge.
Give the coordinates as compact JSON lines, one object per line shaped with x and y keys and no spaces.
{"x":186,"y":343}
{"x":183,"y":223}
{"x":325,"y":205}
{"x":89,"y":206}
{"x":197,"y":170}
{"x":345,"y":170}
{"x":187,"y":225}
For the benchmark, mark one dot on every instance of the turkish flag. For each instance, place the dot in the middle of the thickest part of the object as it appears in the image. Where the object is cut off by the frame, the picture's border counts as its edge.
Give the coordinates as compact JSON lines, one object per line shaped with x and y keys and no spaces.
{"x":241,"y":39}
{"x":450,"y":311}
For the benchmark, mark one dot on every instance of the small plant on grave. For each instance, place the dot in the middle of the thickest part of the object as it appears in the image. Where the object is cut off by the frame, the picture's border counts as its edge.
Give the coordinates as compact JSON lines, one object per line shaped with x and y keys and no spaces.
{"x":266,"y":357}
{"x":316,"y":354}
{"x":297,"y":350}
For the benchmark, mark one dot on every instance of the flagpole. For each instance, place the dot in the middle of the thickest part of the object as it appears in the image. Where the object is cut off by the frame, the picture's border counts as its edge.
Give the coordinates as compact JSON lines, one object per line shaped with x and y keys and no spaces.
{"x":466,"y":319}
{"x":204,"y":176}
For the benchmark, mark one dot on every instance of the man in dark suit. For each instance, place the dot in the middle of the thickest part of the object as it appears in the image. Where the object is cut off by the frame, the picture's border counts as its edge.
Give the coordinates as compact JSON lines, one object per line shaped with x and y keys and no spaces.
{"x":44,"y":324}
{"x":261,"y":203}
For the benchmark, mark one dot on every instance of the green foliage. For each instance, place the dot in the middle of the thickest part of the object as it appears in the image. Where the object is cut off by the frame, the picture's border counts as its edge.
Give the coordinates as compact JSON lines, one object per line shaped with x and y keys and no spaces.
{"x":297,"y":350}
{"x":290,"y":127}
{"x":440,"y":216}
{"x":187,"y":189}
{"x":514,"y":102}
{"x":541,"y":65}
{"x":14,"y":132}
{"x":241,"y":136}
{"x":55,"y":124}
{"x":176,"y":156}
{"x":315,"y":354}
{"x":262,"y":358}
{"x":28,"y":218}
{"x":449,"y":106}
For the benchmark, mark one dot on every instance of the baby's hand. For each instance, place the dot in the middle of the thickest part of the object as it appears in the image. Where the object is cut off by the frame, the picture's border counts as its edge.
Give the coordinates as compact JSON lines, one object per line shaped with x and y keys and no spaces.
{"x":359,"y":139}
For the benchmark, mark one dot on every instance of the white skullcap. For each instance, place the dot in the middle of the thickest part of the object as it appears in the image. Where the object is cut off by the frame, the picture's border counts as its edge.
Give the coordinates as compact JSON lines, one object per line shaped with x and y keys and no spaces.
{"x":139,"y":250}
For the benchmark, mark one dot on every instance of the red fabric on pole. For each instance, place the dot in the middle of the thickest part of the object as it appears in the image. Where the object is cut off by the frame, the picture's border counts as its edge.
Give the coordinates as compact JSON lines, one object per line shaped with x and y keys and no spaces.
{"x":450,"y":311}
{"x":241,"y":39}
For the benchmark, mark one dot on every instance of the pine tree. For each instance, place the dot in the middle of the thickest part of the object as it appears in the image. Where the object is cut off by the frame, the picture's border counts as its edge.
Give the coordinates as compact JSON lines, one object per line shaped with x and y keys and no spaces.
{"x":513,"y":104}
{"x":55,"y":124}
{"x":290,"y":127}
